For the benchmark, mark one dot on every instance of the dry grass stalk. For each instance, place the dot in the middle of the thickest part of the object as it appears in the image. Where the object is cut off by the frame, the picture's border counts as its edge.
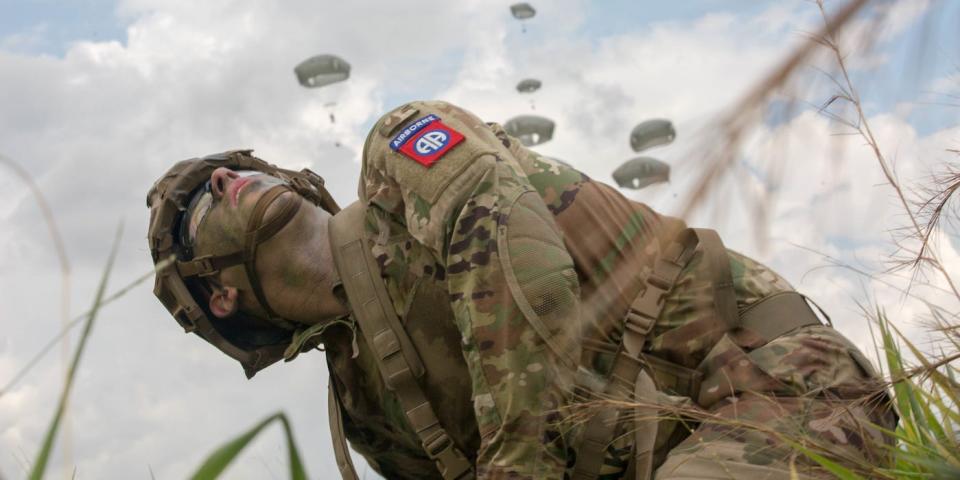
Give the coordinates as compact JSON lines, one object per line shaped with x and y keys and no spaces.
{"x":43,"y":456}
{"x":721,"y":151}
{"x":861,"y":125}
{"x":77,"y":321}
{"x":925,"y":395}
{"x":64,"y":262}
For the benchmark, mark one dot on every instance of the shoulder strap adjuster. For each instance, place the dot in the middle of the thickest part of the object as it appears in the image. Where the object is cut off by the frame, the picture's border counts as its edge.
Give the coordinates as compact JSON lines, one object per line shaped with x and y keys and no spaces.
{"x":397,"y":359}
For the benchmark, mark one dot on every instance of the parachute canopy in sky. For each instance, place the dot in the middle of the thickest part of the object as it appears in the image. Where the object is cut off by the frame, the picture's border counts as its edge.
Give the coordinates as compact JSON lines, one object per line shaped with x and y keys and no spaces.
{"x":641,"y":172}
{"x":530,"y":129}
{"x":652,"y":133}
{"x":322,"y":70}
{"x":529,"y":85}
{"x":522,"y":11}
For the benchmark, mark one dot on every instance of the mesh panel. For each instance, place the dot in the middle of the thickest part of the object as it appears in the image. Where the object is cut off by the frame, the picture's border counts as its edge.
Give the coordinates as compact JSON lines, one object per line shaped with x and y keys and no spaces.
{"x":544,"y":270}
{"x":548,"y":282}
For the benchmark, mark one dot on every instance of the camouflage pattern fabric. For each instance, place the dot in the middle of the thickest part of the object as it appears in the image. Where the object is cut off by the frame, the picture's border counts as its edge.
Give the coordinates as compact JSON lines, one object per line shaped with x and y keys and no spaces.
{"x":510,"y":270}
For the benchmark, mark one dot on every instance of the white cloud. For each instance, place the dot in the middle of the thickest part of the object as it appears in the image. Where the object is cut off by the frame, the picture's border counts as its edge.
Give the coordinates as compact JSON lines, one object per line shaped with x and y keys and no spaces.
{"x":946,"y":84}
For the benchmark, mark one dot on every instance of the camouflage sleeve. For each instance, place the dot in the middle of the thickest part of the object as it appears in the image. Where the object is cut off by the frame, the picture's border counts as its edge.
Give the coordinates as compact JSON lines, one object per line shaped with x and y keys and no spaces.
{"x":810,"y":387}
{"x":512,"y":285}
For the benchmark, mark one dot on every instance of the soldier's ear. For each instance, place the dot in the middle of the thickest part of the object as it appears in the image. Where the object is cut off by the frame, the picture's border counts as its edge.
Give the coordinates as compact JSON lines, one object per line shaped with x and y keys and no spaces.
{"x":223,"y":301}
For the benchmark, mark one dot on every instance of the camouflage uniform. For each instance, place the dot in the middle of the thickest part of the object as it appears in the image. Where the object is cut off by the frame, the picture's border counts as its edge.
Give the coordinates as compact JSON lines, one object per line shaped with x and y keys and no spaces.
{"x":509,"y":270}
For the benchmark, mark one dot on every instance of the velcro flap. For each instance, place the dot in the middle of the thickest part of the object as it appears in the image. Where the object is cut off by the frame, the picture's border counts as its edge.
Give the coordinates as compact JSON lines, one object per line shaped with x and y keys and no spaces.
{"x":393,"y":120}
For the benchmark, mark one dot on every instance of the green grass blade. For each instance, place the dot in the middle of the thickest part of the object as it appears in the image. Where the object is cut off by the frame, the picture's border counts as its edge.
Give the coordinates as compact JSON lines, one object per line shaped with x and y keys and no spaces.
{"x":80,"y":318}
{"x":40,"y":464}
{"x":840,"y":471}
{"x":940,"y":386}
{"x":902,"y":392}
{"x":220,"y":459}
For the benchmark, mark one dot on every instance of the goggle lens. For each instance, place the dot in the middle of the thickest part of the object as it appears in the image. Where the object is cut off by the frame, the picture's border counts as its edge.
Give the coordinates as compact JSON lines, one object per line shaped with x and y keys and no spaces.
{"x":199,"y":207}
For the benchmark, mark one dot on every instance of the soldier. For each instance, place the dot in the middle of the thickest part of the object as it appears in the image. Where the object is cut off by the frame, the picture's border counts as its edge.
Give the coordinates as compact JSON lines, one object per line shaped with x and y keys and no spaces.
{"x":477,"y":293}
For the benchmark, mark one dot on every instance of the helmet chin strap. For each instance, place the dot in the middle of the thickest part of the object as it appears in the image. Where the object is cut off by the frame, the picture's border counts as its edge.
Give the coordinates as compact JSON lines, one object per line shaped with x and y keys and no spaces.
{"x":257,"y":232}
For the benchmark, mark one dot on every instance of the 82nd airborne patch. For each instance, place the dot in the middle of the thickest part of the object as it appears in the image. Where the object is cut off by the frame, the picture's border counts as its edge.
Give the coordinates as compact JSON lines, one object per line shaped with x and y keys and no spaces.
{"x":426,"y":140}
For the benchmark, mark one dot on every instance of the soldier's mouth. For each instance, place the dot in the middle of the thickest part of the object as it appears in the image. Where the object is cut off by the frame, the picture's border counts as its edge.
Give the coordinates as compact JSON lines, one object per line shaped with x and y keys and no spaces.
{"x":236,"y":187}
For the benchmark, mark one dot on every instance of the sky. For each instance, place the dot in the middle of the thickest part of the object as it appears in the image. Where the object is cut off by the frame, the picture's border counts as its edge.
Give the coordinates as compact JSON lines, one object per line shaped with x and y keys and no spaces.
{"x":98,"y":98}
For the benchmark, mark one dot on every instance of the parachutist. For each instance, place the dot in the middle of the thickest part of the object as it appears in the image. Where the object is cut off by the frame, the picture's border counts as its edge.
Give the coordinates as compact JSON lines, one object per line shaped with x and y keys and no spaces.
{"x":477,"y":291}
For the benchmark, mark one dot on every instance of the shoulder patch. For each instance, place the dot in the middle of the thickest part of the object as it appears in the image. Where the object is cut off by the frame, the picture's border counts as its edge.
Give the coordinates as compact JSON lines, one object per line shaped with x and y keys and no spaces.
{"x":426,"y":140}
{"x":427,"y":177}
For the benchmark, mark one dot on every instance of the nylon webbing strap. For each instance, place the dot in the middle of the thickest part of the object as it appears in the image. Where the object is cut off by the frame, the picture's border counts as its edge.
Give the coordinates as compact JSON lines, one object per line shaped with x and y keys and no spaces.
{"x":257,"y":234}
{"x":645,"y":431}
{"x":598,"y":431}
{"x":718,"y":267}
{"x":397,"y":359}
{"x":778,"y":314}
{"x":208,"y":264}
{"x":340,"y":448}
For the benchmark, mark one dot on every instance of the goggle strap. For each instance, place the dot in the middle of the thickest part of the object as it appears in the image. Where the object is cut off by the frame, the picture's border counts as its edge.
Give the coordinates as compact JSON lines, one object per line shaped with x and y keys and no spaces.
{"x":208,"y":264}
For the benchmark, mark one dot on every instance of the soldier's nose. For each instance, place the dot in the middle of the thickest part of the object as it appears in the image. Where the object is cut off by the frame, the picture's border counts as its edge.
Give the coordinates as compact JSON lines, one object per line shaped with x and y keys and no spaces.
{"x":220,"y":179}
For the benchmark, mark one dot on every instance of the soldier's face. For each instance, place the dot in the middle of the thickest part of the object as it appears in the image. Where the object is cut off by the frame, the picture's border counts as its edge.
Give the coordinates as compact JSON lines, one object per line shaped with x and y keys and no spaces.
{"x":285,"y":263}
{"x":234,"y":198}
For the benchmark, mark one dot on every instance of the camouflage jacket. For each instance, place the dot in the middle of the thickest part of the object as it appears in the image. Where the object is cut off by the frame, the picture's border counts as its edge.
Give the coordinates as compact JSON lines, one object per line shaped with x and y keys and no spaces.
{"x":511,"y":270}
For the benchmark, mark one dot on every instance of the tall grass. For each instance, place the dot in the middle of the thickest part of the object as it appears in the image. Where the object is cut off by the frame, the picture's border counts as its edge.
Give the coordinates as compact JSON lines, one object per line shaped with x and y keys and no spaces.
{"x":926,"y":397}
{"x":215,"y":463}
{"x":43,"y":456}
{"x":221,"y":458}
{"x":65,"y":274}
{"x":921,"y":381}
{"x":925,"y":393}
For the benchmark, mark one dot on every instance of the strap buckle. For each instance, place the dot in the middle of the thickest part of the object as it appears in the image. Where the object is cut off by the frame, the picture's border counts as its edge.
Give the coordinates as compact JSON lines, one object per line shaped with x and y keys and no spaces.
{"x":206,"y":266}
{"x":451,"y":463}
{"x":198,"y":267}
{"x":312,"y":176}
{"x":182,"y":316}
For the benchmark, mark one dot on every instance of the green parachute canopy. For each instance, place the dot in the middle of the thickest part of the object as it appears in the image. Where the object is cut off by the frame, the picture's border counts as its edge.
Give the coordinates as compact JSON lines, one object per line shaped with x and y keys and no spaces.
{"x":322,"y":70}
{"x":652,"y":133}
{"x":530,"y":129}
{"x":522,"y":11}
{"x":529,"y":85}
{"x":641,"y":172}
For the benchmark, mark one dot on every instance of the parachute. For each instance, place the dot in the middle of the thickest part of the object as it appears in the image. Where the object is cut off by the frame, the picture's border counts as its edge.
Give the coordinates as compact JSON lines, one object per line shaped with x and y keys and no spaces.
{"x":322,"y":70}
{"x":641,"y":172}
{"x":529,"y":85}
{"x":652,"y":133}
{"x":522,"y":11}
{"x":530,"y":129}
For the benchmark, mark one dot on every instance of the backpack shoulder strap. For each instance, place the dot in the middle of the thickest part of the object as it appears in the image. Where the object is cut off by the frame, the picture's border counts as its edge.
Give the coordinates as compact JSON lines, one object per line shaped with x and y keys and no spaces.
{"x":627,"y":372}
{"x":397,"y":359}
{"x":340,"y":449}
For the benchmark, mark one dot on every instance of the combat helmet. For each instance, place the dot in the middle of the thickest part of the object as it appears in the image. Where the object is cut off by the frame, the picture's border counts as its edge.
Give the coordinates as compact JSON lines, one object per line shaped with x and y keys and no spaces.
{"x":173,"y":201}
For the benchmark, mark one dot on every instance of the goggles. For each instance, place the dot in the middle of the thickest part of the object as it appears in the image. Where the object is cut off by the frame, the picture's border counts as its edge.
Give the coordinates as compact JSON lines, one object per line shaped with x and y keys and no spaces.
{"x":200,"y":205}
